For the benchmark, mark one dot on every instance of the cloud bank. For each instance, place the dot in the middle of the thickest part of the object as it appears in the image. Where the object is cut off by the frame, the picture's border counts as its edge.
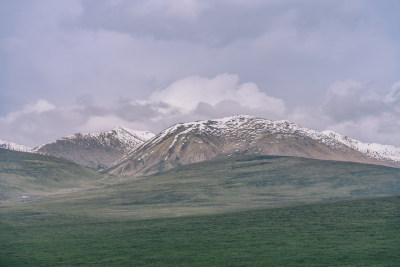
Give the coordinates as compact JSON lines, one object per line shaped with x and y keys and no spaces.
{"x":87,"y":65}
{"x":188,"y":99}
{"x":358,"y":110}
{"x":349,"y":107}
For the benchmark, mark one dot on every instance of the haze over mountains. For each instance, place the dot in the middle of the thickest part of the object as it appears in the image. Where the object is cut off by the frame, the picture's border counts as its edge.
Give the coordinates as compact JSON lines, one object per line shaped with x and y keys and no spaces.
{"x":125,"y":151}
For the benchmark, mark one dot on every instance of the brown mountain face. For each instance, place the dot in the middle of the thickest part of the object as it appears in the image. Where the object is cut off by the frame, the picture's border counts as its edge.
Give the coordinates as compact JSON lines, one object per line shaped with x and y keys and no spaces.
{"x":193,"y":142}
{"x":96,"y":151}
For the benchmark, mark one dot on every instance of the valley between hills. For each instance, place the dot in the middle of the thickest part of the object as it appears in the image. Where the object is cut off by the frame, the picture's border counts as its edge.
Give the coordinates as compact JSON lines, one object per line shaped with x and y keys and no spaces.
{"x":237,"y":191}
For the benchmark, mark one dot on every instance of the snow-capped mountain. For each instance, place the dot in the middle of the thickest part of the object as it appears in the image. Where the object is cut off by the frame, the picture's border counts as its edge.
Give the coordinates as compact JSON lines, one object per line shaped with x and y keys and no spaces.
{"x":98,"y":150}
{"x":127,"y":151}
{"x":13,"y":146}
{"x":374,"y":150}
{"x":192,"y":142}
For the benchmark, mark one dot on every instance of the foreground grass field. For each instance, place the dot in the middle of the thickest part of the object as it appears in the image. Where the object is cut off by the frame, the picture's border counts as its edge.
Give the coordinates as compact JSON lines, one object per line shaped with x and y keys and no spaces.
{"x":362,"y":232}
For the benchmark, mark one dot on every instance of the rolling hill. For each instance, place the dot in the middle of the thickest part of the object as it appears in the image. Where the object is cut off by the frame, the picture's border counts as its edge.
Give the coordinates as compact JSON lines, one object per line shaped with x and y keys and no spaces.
{"x":227,"y":185}
{"x":244,"y":210}
{"x":27,"y":176}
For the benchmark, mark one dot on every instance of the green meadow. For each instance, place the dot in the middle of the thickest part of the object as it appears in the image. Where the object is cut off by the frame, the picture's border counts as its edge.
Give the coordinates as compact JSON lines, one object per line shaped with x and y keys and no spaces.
{"x":32,"y":175}
{"x":247,"y":211}
{"x":347,"y":233}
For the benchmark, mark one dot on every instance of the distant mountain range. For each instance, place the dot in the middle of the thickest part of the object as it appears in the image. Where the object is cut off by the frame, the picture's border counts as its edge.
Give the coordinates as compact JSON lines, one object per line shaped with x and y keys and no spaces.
{"x":96,"y":151}
{"x":193,"y":142}
{"x":127,"y":152}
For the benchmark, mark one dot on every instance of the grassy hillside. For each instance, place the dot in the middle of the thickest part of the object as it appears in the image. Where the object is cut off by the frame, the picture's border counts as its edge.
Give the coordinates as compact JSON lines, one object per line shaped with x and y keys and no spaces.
{"x":230,"y":185}
{"x":242,"y":211}
{"x":350,"y":233}
{"x":25,"y":176}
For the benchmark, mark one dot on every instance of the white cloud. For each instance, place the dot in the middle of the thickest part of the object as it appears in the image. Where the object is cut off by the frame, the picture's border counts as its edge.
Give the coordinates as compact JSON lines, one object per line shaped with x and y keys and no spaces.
{"x":99,"y":47}
{"x":95,"y":124}
{"x":188,"y":99}
{"x":186,"y":94}
{"x":113,"y":49}
{"x":38,"y":107}
{"x":350,"y":107}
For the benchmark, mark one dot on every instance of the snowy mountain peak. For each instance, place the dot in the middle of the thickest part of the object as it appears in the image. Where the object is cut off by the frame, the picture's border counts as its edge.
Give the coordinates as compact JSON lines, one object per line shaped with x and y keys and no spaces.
{"x":244,"y":125}
{"x":127,"y":137}
{"x":96,"y":150}
{"x":378,"y":151}
{"x":14,"y":146}
{"x":196,"y":141}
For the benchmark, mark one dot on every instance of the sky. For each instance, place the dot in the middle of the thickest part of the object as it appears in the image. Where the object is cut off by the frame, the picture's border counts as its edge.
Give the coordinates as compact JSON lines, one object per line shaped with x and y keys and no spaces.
{"x":71,"y":66}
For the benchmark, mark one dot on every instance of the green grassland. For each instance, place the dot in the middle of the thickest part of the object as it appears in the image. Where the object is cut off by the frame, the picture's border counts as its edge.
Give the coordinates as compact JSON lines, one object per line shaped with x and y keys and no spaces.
{"x":348,"y":233}
{"x":226,"y":186}
{"x":254,"y":210}
{"x":33,"y":175}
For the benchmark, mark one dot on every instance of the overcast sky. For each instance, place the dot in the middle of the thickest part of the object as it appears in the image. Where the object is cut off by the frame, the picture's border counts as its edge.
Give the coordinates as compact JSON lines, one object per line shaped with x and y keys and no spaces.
{"x":89,"y":65}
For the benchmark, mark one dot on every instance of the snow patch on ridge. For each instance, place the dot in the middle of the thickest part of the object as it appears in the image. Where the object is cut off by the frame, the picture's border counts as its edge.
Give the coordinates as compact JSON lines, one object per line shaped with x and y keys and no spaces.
{"x":14,"y":146}
{"x":141,"y":135}
{"x":130,"y":139}
{"x":378,"y":151}
{"x":246,"y":127}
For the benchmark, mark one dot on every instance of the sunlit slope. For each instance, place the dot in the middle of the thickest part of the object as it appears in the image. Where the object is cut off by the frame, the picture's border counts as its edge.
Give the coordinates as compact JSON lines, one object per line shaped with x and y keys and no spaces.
{"x":229,"y":185}
{"x":24,"y":176}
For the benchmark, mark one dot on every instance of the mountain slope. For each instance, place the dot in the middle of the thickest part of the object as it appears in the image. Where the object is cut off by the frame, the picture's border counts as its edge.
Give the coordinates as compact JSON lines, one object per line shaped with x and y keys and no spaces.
{"x":13,"y":146}
{"x":378,"y":151}
{"x":96,"y":151}
{"x":29,"y":175}
{"x":192,"y":142}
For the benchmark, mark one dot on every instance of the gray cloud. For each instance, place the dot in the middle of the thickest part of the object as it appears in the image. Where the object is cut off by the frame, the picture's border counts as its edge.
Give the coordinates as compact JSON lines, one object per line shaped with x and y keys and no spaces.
{"x":351,"y":100}
{"x":192,"y":98}
{"x":83,"y":57}
{"x":356,"y":109}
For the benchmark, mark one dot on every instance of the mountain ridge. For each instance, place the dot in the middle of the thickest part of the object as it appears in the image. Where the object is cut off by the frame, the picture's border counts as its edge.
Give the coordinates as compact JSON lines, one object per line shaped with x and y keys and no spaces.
{"x":14,"y":146}
{"x":375,"y":150}
{"x":95,"y":150}
{"x":248,"y":135}
{"x":192,"y":142}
